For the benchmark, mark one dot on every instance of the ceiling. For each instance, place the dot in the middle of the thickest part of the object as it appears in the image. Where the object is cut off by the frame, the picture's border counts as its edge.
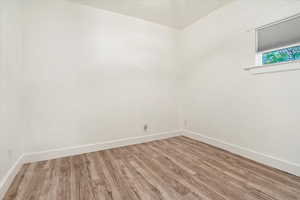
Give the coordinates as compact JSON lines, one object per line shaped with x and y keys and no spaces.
{"x":174,"y":13}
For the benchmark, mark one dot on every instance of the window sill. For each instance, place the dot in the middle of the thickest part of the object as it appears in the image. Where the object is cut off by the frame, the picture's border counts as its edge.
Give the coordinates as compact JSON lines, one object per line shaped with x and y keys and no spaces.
{"x":274,"y":68}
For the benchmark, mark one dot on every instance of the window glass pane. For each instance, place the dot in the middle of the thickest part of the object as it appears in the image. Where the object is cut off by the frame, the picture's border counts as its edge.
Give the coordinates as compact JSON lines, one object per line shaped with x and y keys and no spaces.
{"x":282,"y":55}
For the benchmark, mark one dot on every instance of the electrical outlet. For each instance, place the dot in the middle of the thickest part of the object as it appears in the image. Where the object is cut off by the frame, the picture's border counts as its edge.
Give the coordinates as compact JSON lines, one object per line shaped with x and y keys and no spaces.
{"x":146,"y":127}
{"x":10,"y":154}
{"x":185,"y":124}
{"x":1,"y":170}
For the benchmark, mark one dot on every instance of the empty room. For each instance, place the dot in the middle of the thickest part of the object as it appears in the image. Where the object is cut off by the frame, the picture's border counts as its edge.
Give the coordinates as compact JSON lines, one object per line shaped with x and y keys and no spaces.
{"x":149,"y":99}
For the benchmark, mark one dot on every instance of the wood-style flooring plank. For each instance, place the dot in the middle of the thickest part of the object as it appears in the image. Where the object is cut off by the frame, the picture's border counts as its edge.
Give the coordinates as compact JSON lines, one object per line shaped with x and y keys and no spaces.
{"x":178,"y":168}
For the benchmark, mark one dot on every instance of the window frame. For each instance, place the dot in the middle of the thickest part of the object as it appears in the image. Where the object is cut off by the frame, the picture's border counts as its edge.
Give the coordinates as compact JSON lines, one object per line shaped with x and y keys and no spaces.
{"x":259,"y":55}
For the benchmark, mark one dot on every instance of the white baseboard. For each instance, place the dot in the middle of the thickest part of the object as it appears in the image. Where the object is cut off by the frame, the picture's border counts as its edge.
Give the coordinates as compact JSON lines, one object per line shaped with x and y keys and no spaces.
{"x":268,"y":160}
{"x":281,"y":164}
{"x":77,"y":150}
{"x":11,"y":174}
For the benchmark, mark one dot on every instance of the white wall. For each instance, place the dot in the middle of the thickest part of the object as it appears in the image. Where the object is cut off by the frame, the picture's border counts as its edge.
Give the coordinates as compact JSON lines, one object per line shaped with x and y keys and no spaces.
{"x":11,"y":95}
{"x":95,"y":76}
{"x":221,"y":100}
{"x":89,"y":76}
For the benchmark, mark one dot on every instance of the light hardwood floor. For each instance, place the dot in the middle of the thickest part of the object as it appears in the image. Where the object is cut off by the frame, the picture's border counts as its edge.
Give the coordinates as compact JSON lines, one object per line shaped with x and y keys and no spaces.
{"x":171,"y":169}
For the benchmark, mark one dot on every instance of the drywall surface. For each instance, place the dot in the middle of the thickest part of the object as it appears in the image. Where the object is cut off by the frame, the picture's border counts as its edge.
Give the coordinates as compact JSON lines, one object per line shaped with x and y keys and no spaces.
{"x":95,"y":76}
{"x":172,"y":13}
{"x":74,"y":75}
{"x":11,"y":98}
{"x":221,"y":100}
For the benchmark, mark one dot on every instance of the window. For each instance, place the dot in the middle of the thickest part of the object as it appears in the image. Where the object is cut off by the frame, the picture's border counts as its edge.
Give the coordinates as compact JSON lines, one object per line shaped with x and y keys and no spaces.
{"x":281,"y":55}
{"x":278,"y":42}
